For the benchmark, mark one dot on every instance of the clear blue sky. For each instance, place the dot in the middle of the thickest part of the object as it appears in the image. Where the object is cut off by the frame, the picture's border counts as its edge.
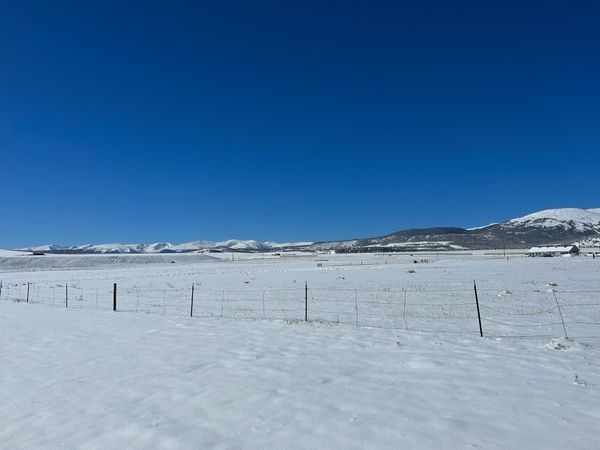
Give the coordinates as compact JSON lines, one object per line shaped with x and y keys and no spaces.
{"x":282,"y":120}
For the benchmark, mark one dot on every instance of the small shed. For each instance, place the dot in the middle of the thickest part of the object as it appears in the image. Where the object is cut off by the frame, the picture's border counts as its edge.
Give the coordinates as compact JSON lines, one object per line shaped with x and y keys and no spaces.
{"x":571,"y":250}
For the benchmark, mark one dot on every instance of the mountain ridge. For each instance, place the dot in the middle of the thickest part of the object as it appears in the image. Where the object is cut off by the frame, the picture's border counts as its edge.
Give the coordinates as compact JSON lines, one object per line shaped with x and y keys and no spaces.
{"x":551,"y":226}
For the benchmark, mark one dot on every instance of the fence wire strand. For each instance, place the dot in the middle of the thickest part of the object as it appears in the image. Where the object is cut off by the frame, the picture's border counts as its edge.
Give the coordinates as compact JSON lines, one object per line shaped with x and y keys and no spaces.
{"x":504,"y":312}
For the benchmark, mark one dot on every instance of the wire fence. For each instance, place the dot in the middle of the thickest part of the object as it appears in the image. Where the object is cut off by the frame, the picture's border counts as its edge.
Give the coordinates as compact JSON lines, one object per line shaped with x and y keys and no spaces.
{"x":535,"y":313}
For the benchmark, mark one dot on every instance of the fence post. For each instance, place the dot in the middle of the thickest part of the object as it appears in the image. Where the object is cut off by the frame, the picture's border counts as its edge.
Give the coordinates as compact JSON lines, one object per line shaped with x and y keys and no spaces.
{"x":356,"y":304}
{"x":306,"y":301}
{"x":114,"y":296}
{"x":404,"y":310}
{"x":560,"y":312}
{"x":222,"y":303}
{"x":27,"y":292}
{"x":66,"y":295}
{"x":192,"y":302}
{"x":478,"y":313}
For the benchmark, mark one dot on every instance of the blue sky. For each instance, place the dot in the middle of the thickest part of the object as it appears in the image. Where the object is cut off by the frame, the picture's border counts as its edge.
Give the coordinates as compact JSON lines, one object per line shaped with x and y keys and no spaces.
{"x":177,"y":121}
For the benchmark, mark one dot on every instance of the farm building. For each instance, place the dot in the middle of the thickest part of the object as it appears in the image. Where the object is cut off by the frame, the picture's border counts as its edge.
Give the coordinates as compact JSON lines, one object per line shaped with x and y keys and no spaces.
{"x":554,"y":251}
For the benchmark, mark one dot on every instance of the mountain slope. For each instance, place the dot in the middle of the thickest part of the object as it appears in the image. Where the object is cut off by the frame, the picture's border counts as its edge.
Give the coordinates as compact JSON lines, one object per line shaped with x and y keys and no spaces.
{"x":166,"y":247}
{"x":567,"y":218}
{"x":552,"y":226}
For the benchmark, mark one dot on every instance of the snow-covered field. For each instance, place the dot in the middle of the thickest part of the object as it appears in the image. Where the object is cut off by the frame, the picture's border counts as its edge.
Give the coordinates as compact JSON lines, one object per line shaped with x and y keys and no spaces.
{"x":519,"y":297}
{"x":247,"y":372}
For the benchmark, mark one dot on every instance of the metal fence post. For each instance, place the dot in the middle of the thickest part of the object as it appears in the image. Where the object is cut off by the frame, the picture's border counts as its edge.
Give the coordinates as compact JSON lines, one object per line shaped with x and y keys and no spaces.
{"x":306,"y":301}
{"x":192,"y":302}
{"x":478,"y":312}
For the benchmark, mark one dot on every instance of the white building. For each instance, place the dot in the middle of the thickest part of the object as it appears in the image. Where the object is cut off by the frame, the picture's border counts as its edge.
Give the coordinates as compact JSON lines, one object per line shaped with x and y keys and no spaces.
{"x":554,"y":251}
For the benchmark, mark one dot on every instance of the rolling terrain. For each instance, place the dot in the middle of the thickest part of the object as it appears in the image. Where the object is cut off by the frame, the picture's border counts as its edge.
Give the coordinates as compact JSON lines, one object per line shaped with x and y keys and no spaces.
{"x":552,"y":226}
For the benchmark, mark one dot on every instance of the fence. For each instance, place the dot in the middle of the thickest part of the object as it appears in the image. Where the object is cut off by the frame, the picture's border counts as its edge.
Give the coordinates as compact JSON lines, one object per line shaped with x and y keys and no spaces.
{"x":535,"y":313}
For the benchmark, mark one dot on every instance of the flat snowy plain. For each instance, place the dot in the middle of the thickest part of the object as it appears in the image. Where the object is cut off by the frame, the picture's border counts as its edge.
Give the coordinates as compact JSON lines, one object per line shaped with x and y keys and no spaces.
{"x":247,"y":372}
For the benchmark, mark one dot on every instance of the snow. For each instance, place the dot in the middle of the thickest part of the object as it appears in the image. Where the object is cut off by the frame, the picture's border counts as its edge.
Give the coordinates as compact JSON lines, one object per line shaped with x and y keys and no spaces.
{"x":583,"y":220}
{"x":580,"y":218}
{"x":234,"y":244}
{"x":27,"y":262}
{"x":11,"y":253}
{"x":287,"y":244}
{"x":565,"y":214}
{"x":80,"y":380}
{"x":421,"y":245}
{"x":482,"y":227}
{"x":561,"y":249}
{"x":85,"y":377}
{"x":588,"y":242}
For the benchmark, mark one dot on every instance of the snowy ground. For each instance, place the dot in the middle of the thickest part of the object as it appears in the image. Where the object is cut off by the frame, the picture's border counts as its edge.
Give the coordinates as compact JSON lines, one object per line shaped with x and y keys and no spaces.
{"x":518,"y":296}
{"x":85,"y":377}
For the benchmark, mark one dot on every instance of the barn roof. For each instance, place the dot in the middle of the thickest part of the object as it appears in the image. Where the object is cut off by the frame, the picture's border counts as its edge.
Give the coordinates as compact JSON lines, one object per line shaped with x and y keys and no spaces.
{"x":562,"y":249}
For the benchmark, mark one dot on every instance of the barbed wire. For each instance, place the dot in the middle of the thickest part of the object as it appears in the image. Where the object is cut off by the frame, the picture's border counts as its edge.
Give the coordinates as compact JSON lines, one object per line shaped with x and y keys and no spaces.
{"x":388,"y":307}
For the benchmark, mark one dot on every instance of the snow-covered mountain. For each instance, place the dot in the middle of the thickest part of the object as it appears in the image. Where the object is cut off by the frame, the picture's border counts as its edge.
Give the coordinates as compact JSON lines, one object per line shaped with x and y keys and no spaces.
{"x":567,"y":218}
{"x":167,"y":247}
{"x":552,"y":226}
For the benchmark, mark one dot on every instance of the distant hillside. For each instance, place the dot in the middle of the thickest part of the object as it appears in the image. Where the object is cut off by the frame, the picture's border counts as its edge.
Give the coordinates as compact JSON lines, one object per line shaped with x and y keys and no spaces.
{"x":552,"y":226}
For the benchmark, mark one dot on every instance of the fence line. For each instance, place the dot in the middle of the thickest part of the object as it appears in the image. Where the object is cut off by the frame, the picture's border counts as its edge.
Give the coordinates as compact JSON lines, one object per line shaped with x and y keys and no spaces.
{"x":504,"y":313}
